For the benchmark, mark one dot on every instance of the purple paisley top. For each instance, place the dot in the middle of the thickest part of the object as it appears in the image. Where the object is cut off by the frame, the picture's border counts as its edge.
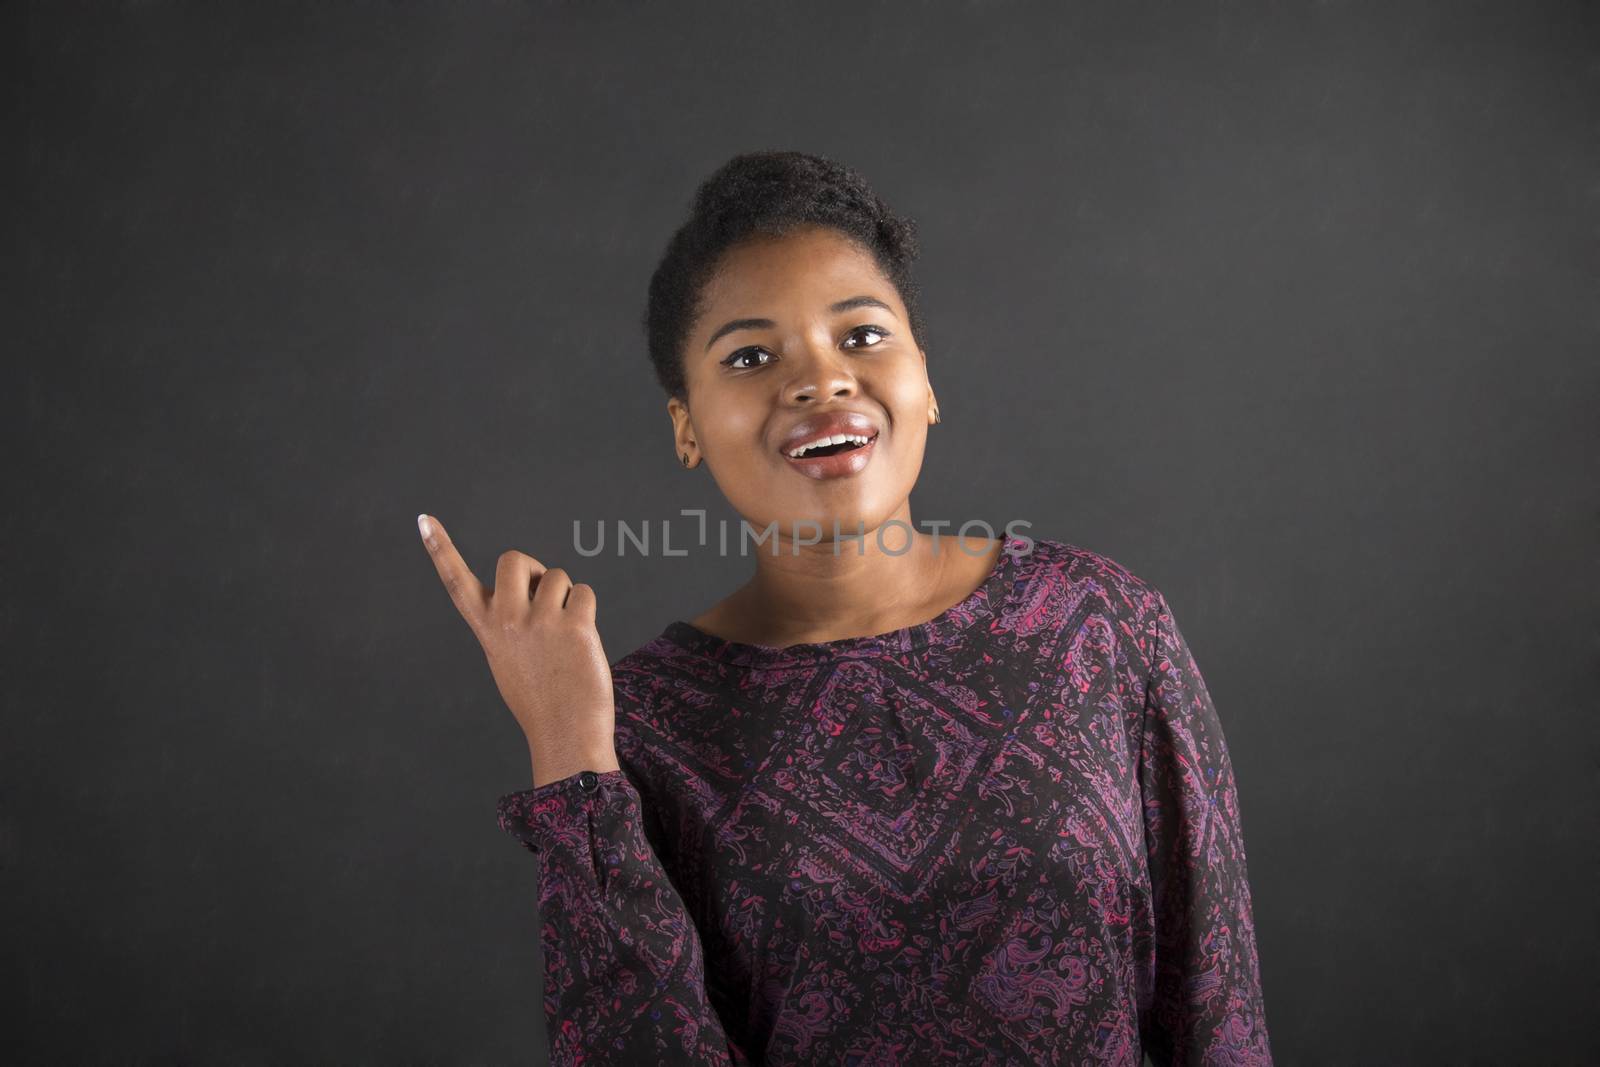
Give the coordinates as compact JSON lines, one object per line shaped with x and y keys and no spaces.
{"x":1008,"y":835}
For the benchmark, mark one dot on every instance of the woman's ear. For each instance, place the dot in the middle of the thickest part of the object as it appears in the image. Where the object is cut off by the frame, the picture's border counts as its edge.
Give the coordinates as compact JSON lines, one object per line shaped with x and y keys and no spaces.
{"x":682,"y":431}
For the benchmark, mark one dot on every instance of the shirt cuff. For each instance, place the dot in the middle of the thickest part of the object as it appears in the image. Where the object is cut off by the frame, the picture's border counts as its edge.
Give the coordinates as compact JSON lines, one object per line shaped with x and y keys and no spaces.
{"x":560,"y":810}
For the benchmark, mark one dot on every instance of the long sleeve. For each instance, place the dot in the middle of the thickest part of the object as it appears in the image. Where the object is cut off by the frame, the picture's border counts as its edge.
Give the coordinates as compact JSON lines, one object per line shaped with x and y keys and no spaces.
{"x":624,"y":967}
{"x":1207,"y":1005}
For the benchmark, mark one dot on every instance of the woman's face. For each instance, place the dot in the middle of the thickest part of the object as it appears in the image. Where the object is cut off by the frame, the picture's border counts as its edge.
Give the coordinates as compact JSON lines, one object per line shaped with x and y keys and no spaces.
{"x":794,"y":331}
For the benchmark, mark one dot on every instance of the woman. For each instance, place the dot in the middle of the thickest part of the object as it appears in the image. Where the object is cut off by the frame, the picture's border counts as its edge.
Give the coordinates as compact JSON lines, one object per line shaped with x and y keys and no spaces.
{"x":897,"y":800}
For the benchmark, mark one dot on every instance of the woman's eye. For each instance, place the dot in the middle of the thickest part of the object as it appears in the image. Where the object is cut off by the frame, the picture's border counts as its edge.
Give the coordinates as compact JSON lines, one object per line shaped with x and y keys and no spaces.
{"x":733,"y":360}
{"x":869,"y":329}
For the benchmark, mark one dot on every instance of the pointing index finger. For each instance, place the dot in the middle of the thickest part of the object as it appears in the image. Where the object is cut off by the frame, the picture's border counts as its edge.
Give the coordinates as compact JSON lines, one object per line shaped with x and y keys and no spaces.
{"x":457,"y":577}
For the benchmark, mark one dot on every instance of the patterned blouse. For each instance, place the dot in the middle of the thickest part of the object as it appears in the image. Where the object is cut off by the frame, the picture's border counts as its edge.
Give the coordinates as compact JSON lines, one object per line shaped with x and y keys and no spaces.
{"x":1008,"y":835}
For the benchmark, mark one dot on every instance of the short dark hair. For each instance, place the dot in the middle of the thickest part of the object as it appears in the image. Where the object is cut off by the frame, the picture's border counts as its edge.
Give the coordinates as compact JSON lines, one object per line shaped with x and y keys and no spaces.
{"x":768,"y":194}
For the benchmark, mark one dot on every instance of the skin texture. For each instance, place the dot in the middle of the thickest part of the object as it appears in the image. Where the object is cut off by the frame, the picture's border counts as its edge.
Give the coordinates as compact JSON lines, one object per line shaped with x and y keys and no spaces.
{"x":809,"y":361}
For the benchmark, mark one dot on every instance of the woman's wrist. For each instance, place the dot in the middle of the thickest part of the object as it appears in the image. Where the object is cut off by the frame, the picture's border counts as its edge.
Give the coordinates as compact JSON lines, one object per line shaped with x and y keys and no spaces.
{"x":553,"y":766}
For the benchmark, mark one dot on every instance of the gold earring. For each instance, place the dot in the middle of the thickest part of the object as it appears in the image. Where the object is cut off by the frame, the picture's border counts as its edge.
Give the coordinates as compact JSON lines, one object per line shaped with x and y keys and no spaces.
{"x":936,"y":417}
{"x":685,"y":458}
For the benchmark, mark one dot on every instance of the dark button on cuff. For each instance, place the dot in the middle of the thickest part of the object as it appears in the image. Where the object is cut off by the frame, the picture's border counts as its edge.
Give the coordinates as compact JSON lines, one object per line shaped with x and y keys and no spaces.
{"x":588,"y":781}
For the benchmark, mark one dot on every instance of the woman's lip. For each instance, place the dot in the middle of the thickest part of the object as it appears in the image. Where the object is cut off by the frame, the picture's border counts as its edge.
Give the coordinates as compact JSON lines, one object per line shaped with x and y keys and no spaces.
{"x":841,"y":465}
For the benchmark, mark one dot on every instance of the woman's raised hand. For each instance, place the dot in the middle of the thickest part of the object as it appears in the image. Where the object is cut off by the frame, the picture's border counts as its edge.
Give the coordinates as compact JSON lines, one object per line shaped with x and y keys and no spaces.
{"x":537,"y":629}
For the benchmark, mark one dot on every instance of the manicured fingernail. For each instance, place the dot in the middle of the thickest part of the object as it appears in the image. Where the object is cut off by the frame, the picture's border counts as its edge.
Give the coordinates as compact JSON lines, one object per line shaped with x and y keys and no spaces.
{"x":425,"y":526}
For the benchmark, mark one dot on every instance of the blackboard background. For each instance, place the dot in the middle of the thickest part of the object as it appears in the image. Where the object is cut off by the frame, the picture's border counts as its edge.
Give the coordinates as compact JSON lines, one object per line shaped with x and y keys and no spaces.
{"x":1289,"y":308}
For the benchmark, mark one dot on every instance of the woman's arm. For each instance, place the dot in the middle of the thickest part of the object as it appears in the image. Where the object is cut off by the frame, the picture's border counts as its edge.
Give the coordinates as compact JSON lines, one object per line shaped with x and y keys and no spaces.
{"x":624,"y":979}
{"x":624,"y":969}
{"x":1207,"y":1003}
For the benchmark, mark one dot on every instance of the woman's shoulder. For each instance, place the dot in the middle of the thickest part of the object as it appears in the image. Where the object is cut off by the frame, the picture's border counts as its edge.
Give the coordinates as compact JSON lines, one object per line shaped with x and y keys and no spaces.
{"x":655,"y":671}
{"x":1071,"y":567}
{"x":659,"y":683}
{"x":1062,"y":587}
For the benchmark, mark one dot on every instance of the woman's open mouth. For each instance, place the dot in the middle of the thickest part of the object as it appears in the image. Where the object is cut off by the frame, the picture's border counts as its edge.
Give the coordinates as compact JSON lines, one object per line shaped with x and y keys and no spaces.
{"x":844,"y":454}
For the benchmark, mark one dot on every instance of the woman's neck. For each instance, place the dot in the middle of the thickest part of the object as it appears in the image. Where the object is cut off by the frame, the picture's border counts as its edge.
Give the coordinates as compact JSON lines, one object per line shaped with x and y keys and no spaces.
{"x":831,"y":591}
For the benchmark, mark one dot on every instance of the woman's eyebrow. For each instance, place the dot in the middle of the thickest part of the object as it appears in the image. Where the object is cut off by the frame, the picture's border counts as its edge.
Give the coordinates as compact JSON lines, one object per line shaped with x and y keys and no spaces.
{"x":848,"y":304}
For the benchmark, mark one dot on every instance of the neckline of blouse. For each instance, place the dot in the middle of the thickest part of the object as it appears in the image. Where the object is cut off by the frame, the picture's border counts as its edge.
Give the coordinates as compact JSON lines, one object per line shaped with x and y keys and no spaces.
{"x":981,"y":605}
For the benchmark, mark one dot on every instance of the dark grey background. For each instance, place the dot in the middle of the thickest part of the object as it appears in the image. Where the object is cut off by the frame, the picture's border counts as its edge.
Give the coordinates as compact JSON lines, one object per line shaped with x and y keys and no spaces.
{"x":1288,"y":308}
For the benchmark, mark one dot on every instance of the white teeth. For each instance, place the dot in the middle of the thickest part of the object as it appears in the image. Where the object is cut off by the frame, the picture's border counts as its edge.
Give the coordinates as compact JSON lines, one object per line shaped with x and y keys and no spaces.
{"x":823,"y":442}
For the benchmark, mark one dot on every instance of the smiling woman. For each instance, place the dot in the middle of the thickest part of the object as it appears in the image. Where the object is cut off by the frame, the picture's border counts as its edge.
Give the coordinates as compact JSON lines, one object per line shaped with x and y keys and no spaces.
{"x":799,"y":332}
{"x":873,"y":806}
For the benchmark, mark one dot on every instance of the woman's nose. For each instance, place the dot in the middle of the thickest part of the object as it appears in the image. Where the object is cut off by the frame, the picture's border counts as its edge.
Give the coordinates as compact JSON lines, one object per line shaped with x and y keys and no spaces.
{"x":819,"y":372}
